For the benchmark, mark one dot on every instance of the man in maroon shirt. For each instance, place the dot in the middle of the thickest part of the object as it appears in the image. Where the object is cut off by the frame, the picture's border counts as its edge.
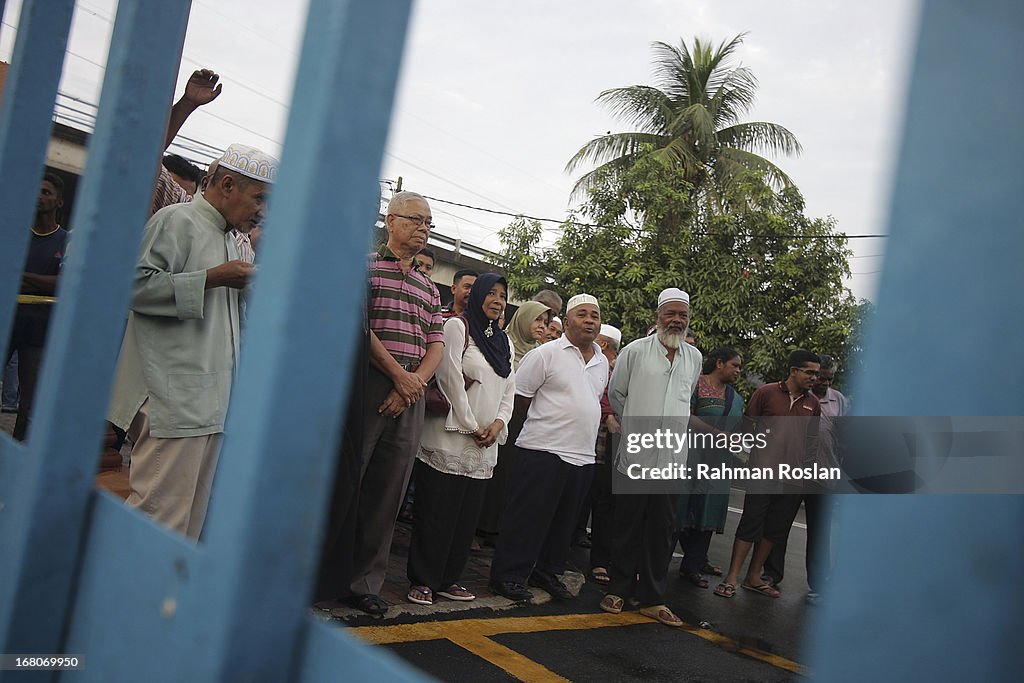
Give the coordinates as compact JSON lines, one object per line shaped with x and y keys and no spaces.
{"x":767,"y":518}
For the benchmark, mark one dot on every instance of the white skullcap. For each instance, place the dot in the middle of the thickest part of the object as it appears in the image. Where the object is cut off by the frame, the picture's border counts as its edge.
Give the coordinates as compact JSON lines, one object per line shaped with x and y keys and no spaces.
{"x":250,"y":162}
{"x":581,"y":299}
{"x":613,"y":333}
{"x":673,"y":294}
{"x":556,"y":319}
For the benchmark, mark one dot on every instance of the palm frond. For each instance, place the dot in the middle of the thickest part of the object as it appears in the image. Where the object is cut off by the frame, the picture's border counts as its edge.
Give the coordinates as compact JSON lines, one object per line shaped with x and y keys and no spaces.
{"x":607,"y":147}
{"x":761,"y":136}
{"x":731,"y":162}
{"x":733,"y":95}
{"x":590,"y":180}
{"x":641,"y":106}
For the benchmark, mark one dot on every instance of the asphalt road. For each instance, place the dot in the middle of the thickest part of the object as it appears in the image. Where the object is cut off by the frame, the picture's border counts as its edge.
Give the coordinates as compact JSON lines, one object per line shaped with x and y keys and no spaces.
{"x":749,"y":637}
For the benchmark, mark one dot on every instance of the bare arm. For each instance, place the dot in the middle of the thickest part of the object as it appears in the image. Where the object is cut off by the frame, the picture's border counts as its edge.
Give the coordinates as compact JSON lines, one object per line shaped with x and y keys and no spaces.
{"x":202,"y":88}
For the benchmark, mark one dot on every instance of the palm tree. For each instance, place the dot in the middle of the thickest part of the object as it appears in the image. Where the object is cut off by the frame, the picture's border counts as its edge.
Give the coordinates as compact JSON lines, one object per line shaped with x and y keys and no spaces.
{"x":690,"y":122}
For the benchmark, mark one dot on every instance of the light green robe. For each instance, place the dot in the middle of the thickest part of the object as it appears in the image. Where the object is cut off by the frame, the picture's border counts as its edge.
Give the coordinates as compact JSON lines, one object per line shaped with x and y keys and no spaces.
{"x":180,"y":347}
{"x":650,"y":394}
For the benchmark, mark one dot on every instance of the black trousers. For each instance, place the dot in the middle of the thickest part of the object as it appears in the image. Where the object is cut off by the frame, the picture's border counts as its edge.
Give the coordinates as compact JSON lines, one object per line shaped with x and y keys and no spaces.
{"x":30,"y":357}
{"x":445,"y":512}
{"x":645,"y":533}
{"x":695,"y":544}
{"x":336,"y":554}
{"x":602,"y":516}
{"x":818,"y":556}
{"x":544,"y":498}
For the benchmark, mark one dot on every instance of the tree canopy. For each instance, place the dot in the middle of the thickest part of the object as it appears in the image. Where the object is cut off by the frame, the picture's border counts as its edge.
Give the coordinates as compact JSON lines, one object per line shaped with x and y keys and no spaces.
{"x":763,"y":277}
{"x":690,"y":121}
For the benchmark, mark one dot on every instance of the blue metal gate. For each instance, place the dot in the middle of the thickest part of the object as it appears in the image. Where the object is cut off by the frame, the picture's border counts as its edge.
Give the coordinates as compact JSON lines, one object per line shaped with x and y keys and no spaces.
{"x":927,"y":587}
{"x":79,"y":571}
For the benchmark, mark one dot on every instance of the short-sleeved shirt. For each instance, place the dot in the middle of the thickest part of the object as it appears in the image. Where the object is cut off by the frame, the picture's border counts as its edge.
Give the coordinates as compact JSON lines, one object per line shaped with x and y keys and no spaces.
{"x":565,"y":412}
{"x":405,"y":308}
{"x":45,"y":255}
{"x":792,"y":442}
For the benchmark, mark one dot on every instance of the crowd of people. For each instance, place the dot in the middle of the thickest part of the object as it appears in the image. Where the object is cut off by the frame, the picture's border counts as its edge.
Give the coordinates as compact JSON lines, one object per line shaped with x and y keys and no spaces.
{"x":477,"y":429}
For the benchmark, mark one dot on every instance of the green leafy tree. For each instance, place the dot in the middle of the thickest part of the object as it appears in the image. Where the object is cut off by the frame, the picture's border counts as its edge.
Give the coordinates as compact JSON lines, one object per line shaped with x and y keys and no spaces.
{"x":763,"y":277}
{"x":690,"y":121}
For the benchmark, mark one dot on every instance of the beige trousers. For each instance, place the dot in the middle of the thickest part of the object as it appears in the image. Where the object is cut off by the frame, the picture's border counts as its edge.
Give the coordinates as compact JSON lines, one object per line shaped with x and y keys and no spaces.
{"x":170,"y":479}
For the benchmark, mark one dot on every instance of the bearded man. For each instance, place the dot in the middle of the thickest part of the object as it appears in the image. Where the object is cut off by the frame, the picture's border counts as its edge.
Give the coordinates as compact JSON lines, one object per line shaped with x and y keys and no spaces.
{"x":653,"y":380}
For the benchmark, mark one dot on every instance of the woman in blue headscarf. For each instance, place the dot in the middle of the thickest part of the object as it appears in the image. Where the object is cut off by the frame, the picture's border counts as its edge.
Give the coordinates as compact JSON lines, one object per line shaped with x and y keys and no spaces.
{"x":458,"y":451}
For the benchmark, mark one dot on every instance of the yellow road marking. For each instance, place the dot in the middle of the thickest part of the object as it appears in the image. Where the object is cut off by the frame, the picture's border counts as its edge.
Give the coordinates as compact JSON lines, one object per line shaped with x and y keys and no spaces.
{"x":473,"y":635}
{"x":509,"y":660}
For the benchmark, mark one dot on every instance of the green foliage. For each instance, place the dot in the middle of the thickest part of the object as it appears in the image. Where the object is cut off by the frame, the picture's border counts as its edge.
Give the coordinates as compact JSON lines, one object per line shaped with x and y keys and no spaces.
{"x":758,"y":280}
{"x":691,"y":123}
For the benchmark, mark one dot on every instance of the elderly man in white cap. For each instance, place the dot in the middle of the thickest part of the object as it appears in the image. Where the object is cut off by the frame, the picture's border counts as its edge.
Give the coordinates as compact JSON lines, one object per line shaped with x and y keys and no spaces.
{"x":559,"y":387}
{"x":653,"y":381}
{"x":180,"y":349}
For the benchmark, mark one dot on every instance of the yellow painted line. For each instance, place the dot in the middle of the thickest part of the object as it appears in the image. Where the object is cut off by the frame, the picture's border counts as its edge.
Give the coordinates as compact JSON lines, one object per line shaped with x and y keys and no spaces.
{"x":472,"y":634}
{"x":508,"y":659}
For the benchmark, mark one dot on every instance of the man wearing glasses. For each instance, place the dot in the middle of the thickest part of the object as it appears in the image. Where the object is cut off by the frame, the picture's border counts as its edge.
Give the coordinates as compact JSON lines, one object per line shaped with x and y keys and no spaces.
{"x":767,"y":517}
{"x":406,"y":341}
{"x":817,"y":506}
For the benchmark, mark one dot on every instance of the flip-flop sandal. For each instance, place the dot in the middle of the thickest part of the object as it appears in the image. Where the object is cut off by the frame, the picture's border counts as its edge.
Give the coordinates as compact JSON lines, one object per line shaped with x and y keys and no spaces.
{"x":612,"y":604}
{"x":725,"y":590}
{"x":600,"y":575}
{"x":765,"y":589}
{"x":457,"y":592}
{"x":420,"y":595}
{"x":696,"y":578}
{"x":662,"y":615}
{"x":711,"y":569}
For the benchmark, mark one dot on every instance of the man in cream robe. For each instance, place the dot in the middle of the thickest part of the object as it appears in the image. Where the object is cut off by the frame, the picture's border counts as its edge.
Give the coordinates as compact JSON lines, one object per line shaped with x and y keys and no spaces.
{"x":180,"y":350}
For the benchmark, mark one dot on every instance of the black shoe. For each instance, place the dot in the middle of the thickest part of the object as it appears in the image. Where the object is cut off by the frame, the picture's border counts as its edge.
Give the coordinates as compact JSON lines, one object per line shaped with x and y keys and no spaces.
{"x":369,"y":603}
{"x":516,"y":592}
{"x":551,"y":583}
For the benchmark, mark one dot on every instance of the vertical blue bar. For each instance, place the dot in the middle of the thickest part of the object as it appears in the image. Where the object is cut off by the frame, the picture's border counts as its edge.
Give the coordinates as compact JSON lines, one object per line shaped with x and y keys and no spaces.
{"x":270,"y":494}
{"x":25,"y":123}
{"x":42,"y":531}
{"x":929,"y":587}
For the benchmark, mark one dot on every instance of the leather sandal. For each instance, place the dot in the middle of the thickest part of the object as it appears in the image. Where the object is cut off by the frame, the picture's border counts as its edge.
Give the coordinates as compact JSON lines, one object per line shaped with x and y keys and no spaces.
{"x":662,"y":614}
{"x":612,"y":604}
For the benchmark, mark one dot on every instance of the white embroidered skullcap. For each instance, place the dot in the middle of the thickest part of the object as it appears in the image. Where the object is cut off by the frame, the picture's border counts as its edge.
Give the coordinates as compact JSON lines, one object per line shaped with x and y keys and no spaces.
{"x":581,"y":299}
{"x":250,"y":162}
{"x":673,"y":294}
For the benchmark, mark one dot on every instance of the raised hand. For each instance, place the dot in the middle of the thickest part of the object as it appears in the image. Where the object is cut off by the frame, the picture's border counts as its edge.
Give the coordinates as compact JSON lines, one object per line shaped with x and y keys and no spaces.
{"x":202,"y":87}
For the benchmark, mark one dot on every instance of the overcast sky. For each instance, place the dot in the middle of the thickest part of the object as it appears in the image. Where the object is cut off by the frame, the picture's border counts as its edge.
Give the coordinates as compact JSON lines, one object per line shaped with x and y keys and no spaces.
{"x":495,"y":97}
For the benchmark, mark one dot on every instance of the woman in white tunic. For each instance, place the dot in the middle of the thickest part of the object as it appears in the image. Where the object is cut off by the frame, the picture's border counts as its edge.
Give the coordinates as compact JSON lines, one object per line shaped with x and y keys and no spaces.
{"x":458,"y":451}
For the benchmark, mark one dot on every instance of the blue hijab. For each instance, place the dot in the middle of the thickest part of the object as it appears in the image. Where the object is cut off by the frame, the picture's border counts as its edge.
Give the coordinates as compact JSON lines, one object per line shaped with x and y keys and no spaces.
{"x":490,"y":339}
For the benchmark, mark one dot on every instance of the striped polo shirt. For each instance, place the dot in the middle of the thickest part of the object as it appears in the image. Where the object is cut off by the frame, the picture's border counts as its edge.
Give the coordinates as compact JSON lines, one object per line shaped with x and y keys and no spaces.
{"x":405,"y":308}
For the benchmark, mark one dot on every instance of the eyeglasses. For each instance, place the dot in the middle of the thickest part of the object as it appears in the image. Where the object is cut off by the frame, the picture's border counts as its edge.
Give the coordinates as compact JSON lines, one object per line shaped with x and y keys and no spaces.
{"x":825,"y":380}
{"x":809,"y":373}
{"x":418,"y":220}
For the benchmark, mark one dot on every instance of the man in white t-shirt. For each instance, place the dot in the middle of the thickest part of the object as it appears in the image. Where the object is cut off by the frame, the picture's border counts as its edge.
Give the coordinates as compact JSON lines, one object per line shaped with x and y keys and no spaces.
{"x":559,"y":385}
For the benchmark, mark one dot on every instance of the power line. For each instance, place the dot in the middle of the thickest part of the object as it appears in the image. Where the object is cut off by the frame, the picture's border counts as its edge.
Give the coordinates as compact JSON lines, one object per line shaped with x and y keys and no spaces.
{"x":608,"y":227}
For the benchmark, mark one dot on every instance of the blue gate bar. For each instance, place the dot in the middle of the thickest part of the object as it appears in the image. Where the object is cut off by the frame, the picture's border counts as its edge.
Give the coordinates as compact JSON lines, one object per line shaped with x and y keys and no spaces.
{"x":26,"y":119}
{"x":236,"y":606}
{"x":928,"y":587}
{"x":271,"y":491}
{"x":37,"y":569}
